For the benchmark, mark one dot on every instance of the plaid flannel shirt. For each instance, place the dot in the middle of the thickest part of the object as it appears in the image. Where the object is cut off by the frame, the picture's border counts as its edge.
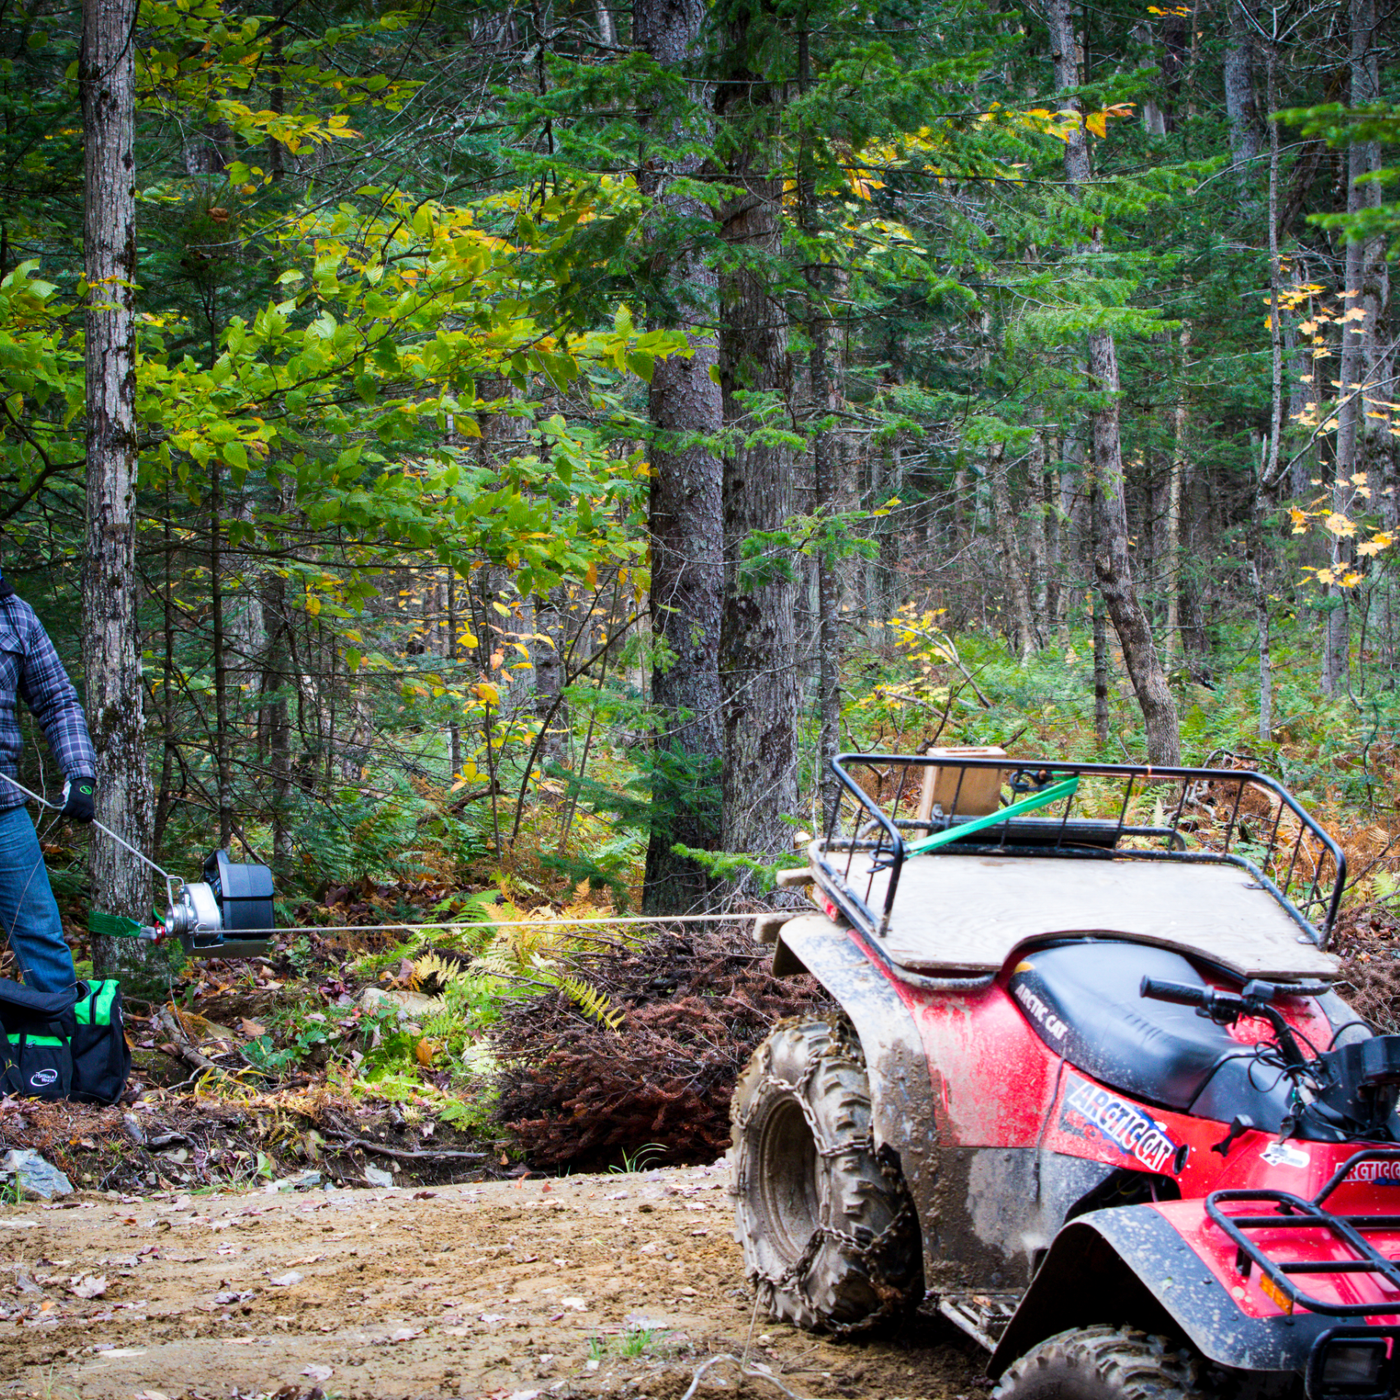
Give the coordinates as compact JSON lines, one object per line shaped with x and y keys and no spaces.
{"x":30,"y":668}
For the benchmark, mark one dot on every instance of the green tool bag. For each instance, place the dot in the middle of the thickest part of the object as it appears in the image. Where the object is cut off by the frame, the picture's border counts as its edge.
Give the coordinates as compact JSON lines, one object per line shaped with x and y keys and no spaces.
{"x":101,"y":1056}
{"x":63,"y":1045}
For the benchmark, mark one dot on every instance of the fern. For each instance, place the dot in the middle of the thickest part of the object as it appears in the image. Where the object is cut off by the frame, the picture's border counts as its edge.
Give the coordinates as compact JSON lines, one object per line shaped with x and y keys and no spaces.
{"x":593,"y":1003}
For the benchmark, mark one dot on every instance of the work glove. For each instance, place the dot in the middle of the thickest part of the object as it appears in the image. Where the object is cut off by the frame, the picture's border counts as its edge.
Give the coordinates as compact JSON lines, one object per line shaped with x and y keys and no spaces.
{"x":78,"y":795}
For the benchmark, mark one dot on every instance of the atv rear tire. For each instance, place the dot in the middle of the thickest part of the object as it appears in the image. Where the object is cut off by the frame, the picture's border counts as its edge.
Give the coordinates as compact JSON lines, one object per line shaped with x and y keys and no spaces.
{"x":830,"y":1237}
{"x":1103,"y":1363}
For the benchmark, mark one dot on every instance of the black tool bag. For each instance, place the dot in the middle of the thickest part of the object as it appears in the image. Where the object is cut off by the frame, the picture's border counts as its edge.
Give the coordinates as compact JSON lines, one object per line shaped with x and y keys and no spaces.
{"x":63,"y":1045}
{"x":36,"y":1042}
{"x":101,"y":1056}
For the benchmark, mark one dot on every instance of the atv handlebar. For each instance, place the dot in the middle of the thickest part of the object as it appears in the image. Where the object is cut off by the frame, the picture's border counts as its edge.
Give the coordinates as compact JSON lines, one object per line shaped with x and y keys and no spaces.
{"x":1179,"y":992}
{"x":1255,"y":997}
{"x":1225,"y":1008}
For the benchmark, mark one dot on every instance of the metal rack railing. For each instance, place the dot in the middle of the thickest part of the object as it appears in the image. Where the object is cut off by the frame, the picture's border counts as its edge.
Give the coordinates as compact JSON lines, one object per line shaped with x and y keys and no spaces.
{"x":1292,"y":1215}
{"x":1094,"y":811}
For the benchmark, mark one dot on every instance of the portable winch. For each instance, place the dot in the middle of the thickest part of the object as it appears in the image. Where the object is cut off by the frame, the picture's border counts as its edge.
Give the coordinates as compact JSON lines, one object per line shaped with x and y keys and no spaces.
{"x":228,"y":914}
{"x":232,"y":899}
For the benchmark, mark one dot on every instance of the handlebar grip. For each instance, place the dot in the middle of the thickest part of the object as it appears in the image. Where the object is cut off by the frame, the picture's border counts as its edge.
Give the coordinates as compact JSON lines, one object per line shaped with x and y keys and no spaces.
{"x":1180,"y":992}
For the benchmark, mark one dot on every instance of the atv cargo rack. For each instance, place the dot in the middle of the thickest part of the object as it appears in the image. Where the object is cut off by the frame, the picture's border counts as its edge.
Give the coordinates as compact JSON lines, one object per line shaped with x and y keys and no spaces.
{"x":1293,"y":1215}
{"x":894,"y":807}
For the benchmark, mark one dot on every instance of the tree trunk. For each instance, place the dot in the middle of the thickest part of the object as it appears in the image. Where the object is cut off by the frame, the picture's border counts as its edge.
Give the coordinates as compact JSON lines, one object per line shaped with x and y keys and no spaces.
{"x":1036,"y":543}
{"x":1100,"y":631}
{"x":111,"y":645}
{"x":1353,"y":396}
{"x":1171,"y":645}
{"x":547,"y":653}
{"x":222,"y":764}
{"x":1013,"y":577}
{"x":1241,"y":110}
{"x":1111,"y":562}
{"x":686,"y":522}
{"x":758,"y":645}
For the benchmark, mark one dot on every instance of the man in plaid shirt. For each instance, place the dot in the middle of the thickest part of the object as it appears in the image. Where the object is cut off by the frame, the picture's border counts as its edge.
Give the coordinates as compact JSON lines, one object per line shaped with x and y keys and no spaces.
{"x":30,"y":669}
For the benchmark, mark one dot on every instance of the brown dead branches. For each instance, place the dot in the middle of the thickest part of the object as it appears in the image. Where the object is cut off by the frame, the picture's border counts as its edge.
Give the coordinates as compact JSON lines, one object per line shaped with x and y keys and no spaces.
{"x":656,"y":1090}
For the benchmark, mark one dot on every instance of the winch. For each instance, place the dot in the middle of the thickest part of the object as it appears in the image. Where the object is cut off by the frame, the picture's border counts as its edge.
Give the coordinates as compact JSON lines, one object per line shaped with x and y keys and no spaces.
{"x":228,"y":914}
{"x":232,"y":899}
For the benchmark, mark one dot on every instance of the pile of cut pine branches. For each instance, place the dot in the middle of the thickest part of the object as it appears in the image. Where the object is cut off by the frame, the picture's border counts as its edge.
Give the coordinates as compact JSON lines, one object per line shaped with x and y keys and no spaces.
{"x":656,"y":1090}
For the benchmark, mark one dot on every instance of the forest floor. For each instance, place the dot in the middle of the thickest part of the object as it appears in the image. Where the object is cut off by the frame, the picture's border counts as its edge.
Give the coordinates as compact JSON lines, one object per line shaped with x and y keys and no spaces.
{"x":620,"y":1284}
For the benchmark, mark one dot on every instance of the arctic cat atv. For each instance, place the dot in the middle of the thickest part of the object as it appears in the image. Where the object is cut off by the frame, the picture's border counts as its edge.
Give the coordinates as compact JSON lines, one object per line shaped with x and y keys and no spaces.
{"x":1089,"y":1093}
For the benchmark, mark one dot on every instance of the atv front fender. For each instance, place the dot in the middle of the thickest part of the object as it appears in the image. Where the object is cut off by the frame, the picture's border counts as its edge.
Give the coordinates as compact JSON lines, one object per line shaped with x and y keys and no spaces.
{"x":1128,"y":1265}
{"x":901,"y":1095}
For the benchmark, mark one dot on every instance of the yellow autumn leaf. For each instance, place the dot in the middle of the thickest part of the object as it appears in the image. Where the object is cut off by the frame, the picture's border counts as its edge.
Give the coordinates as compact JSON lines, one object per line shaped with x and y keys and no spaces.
{"x":487,"y":693}
{"x":313,"y":606}
{"x":1097,"y":122}
{"x":1342,"y":526}
{"x":591,"y":577}
{"x":1368,"y":549}
{"x":1307,"y":327}
{"x":1300,"y":520}
{"x":1350,"y":579}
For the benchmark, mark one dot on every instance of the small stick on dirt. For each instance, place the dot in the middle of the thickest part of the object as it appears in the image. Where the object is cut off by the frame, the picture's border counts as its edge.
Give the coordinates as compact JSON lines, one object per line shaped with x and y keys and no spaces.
{"x":405,"y":1155}
{"x":176,"y":1035}
{"x":752,"y":1371}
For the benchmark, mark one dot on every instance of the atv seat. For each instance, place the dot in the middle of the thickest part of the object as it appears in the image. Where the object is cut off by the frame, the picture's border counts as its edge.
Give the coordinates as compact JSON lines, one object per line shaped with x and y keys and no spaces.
{"x":1094,"y":1016}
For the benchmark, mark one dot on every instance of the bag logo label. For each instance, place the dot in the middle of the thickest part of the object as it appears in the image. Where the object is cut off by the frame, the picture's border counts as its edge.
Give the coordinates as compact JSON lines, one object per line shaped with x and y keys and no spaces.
{"x":43,"y":1078}
{"x":1123,"y":1124}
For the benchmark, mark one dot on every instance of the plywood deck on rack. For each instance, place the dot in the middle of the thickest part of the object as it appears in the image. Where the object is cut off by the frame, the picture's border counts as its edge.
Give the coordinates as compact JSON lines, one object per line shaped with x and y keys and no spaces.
{"x":968,"y":913}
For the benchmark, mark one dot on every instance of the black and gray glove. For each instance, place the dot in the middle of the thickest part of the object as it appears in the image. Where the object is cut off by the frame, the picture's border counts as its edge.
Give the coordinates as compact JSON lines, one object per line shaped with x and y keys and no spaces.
{"x":78,"y":796}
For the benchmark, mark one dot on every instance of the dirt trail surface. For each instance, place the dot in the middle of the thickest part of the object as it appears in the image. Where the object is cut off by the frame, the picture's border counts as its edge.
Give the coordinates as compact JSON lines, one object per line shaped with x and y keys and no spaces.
{"x":577,"y":1286}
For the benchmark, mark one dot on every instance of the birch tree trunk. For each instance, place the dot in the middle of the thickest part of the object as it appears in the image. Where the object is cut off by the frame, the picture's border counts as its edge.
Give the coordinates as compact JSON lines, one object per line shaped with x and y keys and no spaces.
{"x":1111,"y":562}
{"x":687,"y":513}
{"x":111,"y":647}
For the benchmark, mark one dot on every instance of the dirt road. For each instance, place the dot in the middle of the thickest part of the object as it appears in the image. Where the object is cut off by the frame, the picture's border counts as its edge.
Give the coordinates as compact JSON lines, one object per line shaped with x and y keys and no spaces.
{"x":571,"y":1287}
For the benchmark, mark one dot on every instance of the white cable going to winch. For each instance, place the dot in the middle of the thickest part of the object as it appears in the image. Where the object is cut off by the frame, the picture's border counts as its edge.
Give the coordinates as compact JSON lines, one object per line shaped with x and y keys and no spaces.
{"x":457,"y":923}
{"x":54,"y":807}
{"x":511,"y":923}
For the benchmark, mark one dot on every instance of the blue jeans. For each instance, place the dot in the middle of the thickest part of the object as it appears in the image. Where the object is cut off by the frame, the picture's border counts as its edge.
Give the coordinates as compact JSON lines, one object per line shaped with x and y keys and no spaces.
{"x":28,"y":914}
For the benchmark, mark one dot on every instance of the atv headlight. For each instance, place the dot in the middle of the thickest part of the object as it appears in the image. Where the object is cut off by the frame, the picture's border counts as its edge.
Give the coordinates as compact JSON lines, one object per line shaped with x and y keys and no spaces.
{"x":1349,"y":1368}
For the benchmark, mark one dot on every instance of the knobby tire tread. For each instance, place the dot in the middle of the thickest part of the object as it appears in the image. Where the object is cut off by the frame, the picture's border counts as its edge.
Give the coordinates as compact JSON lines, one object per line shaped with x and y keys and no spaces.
{"x":862,"y":1265}
{"x":1103,"y":1363}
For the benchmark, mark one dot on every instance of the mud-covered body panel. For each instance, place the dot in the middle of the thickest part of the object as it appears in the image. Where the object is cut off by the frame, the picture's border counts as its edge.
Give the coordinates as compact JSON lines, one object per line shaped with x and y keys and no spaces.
{"x":1013,"y":1150}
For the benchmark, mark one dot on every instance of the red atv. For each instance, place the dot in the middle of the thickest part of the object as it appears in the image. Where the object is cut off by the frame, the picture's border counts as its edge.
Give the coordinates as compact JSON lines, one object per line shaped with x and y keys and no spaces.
{"x":1089,"y":1093}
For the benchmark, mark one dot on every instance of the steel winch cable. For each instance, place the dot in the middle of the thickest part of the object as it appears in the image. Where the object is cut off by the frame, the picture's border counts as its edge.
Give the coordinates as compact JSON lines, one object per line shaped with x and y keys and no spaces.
{"x":561,"y":919}
{"x":600,"y":922}
{"x":54,"y":807}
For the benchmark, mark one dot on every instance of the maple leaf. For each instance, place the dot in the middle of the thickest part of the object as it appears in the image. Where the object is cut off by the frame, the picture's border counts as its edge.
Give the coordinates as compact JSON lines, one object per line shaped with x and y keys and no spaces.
{"x":1342,"y":526}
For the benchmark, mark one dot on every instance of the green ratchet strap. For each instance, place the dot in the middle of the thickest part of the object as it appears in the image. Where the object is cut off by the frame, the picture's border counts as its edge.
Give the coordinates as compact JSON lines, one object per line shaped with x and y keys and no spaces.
{"x":113,"y":925}
{"x":1065,"y":789}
